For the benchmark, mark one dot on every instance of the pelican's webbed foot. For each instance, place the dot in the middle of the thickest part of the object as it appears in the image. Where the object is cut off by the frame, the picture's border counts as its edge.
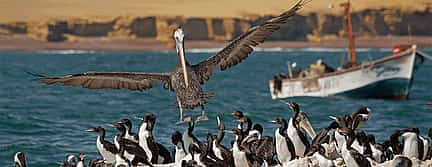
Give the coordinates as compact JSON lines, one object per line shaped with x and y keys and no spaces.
{"x":183,"y":120}
{"x":203,"y":116}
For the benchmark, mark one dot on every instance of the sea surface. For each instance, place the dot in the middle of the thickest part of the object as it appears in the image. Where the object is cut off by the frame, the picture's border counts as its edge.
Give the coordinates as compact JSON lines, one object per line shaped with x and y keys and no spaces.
{"x":48,"y":122}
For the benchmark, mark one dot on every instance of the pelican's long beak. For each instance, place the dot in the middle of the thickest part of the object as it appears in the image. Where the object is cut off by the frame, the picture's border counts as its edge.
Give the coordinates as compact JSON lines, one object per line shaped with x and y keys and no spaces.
{"x":306,"y":125}
{"x":182,"y":58}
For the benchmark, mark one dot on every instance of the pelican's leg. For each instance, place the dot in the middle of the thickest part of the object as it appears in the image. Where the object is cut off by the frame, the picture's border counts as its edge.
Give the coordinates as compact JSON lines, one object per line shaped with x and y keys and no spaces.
{"x":182,"y":119}
{"x":203,"y":116}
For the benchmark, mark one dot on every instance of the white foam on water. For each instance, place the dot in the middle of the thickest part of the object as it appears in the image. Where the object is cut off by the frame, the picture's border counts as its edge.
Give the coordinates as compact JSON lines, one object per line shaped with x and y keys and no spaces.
{"x":67,"y":52}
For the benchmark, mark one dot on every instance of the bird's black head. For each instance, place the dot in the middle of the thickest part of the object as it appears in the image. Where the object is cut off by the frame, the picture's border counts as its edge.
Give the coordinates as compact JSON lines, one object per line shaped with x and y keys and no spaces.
{"x":278,"y":120}
{"x":294,"y":106}
{"x":120,"y":128}
{"x":20,"y":160}
{"x":316,"y":148}
{"x":333,"y":125}
{"x":149,"y":118}
{"x":98,"y":129}
{"x":430,"y":133}
{"x":176,"y":137}
{"x":362,"y":137}
{"x":238,"y":114}
{"x":81,"y":156}
{"x":259,"y":128}
{"x":209,"y":137}
{"x":126,"y":122}
{"x":371,"y":138}
{"x":341,"y":120}
{"x":236,"y":131}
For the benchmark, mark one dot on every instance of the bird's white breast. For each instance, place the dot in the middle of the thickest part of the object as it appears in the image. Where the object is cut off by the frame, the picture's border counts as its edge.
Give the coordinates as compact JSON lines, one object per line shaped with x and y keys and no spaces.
{"x":282,"y":150}
{"x":108,"y":156}
{"x":240,"y":159}
{"x":295,"y":138}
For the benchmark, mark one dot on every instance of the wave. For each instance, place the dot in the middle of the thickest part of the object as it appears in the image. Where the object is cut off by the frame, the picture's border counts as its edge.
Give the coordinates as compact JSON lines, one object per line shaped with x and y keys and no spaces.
{"x":67,"y":52}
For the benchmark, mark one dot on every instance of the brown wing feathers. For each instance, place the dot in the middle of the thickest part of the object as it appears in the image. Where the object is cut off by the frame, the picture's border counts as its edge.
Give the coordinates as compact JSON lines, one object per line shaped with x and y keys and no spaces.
{"x":239,"y":49}
{"x":112,"y":80}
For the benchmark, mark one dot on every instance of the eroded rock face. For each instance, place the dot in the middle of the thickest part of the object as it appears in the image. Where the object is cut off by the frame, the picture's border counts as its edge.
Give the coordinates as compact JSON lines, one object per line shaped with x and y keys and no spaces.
{"x":311,"y":27}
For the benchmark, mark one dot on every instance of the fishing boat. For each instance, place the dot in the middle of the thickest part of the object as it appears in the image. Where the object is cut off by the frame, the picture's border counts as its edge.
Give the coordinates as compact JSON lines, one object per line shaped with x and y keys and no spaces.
{"x":389,"y":77}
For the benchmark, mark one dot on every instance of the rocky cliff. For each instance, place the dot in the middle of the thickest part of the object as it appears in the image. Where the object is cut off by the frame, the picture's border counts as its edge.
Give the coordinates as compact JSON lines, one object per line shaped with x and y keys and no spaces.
{"x":312,"y":27}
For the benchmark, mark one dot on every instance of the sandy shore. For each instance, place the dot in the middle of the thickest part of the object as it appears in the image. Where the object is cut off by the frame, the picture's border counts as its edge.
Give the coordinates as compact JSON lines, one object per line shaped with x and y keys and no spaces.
{"x":23,"y":43}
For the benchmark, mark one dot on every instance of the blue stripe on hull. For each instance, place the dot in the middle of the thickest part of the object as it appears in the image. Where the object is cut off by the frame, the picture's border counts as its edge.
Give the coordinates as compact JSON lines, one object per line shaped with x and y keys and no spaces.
{"x":397,"y":88}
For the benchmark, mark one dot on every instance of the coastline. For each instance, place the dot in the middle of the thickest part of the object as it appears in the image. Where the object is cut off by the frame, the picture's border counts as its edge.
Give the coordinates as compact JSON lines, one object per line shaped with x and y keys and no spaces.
{"x":24,"y":43}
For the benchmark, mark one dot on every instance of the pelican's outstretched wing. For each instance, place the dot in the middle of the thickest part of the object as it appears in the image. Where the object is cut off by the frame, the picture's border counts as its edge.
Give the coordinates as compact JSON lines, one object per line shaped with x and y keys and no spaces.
{"x":110,"y":80}
{"x":242,"y":46}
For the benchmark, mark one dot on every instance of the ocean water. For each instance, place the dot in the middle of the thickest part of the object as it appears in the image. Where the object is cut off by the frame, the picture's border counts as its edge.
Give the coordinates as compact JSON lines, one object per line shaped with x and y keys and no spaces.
{"x":49,"y":122}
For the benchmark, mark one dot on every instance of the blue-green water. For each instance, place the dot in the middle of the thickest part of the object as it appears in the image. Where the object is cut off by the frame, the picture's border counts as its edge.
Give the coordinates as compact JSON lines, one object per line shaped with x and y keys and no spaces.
{"x":48,"y":122}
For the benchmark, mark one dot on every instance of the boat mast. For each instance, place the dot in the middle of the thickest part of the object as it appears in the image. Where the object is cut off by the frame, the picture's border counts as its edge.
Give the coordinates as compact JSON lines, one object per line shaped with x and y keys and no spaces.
{"x":352,"y":53}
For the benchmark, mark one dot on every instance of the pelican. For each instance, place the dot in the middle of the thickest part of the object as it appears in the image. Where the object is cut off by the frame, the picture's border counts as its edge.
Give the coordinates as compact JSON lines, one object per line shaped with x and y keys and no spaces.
{"x":298,"y":126}
{"x":186,"y":79}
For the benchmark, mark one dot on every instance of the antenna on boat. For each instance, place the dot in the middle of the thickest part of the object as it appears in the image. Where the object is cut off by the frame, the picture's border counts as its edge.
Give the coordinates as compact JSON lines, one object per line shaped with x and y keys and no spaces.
{"x":409,"y":34}
{"x":348,"y":23}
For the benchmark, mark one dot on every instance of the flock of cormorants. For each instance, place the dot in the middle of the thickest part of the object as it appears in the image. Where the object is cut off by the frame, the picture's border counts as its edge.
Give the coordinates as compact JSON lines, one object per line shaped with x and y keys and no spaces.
{"x":342,"y":143}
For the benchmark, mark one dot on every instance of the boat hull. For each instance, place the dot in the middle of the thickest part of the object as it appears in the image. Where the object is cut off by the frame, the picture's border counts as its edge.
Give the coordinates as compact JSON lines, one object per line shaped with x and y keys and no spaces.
{"x":389,"y":77}
{"x":395,"y":88}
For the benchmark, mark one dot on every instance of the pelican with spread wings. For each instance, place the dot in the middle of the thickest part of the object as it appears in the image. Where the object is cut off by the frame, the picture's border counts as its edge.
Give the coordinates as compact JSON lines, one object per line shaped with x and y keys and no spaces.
{"x":186,"y":79}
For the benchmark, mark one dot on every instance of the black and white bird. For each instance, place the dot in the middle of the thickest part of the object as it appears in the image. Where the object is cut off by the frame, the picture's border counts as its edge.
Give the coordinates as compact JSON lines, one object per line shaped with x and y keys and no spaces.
{"x":218,"y":149}
{"x":242,"y":156}
{"x":326,"y":139}
{"x":179,"y":148}
{"x":318,"y":152}
{"x":239,"y":115}
{"x":261,"y":146}
{"x":351,"y":156}
{"x":359,"y":117}
{"x":129,"y":134}
{"x":105,"y":148}
{"x":81,"y":161}
{"x":188,"y":137}
{"x":71,"y":161}
{"x":284,"y":146}
{"x":414,"y":145}
{"x":207,"y":156}
{"x":132,"y":151}
{"x":120,"y":159}
{"x":377,"y":149}
{"x":155,"y":151}
{"x":20,"y":160}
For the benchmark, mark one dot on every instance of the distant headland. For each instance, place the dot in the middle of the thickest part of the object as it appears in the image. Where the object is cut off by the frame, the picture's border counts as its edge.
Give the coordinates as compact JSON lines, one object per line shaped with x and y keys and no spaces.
{"x":375,"y":24}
